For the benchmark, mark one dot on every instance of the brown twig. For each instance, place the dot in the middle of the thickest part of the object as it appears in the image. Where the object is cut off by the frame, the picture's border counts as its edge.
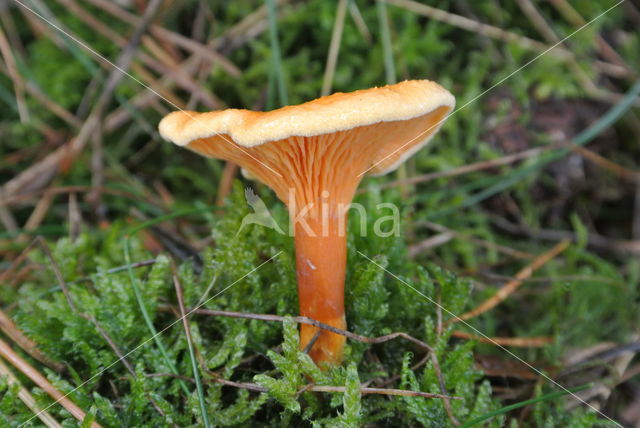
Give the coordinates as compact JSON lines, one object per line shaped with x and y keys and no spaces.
{"x":311,"y":387}
{"x":160,"y":66}
{"x":573,"y":17}
{"x":429,"y":243}
{"x":29,"y":371}
{"x":513,"y":285}
{"x":27,"y":398}
{"x":12,"y":331}
{"x":383,"y":391}
{"x":18,"y":83}
{"x":312,"y":342}
{"x":601,"y":161}
{"x":443,"y":389}
{"x":37,"y":216}
{"x":48,"y":167}
{"x":309,"y":321}
{"x":250,"y":27}
{"x":552,"y":38}
{"x":6,"y":274}
{"x":176,"y":38}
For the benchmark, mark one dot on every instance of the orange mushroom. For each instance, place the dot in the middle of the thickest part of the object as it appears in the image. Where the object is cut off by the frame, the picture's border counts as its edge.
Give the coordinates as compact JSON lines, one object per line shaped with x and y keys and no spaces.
{"x":313,"y":156}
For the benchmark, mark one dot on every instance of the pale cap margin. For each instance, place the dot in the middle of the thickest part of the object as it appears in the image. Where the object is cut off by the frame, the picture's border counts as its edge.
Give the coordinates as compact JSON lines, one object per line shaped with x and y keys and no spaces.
{"x":325,"y":115}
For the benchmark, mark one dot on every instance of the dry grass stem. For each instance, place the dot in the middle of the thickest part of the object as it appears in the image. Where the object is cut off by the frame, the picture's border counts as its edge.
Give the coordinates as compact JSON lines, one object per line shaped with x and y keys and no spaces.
{"x":500,"y":34}
{"x":27,"y":398}
{"x":29,"y":371}
{"x":12,"y":331}
{"x":309,"y":321}
{"x":338,"y":389}
{"x":619,"y":170}
{"x":509,"y":288}
{"x":334,"y":47}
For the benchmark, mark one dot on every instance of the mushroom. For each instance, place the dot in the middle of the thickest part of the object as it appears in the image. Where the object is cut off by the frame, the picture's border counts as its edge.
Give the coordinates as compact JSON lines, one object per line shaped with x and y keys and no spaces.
{"x":313,"y":156}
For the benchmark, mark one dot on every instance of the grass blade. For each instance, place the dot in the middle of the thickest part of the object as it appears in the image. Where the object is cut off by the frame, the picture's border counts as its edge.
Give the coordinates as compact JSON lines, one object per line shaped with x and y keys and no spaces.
{"x":511,"y":407}
{"x":276,"y":58}
{"x":192,"y":354}
{"x":334,"y":47}
{"x":387,"y":49}
{"x":147,"y":318}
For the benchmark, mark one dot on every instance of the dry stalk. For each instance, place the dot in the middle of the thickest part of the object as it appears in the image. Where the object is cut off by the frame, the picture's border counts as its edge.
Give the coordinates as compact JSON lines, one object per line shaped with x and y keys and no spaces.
{"x":509,"y":288}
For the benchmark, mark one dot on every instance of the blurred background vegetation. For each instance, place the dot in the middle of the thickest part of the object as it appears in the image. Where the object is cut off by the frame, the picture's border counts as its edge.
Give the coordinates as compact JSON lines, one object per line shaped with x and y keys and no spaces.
{"x":538,"y":168}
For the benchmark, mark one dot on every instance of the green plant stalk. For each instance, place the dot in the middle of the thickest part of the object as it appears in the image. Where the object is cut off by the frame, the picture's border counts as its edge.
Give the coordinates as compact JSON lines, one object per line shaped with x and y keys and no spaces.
{"x":145,"y":315}
{"x":511,"y":407}
{"x":276,"y":58}
{"x":196,"y":377}
{"x":194,"y":365}
{"x":387,"y":49}
{"x":389,"y":70}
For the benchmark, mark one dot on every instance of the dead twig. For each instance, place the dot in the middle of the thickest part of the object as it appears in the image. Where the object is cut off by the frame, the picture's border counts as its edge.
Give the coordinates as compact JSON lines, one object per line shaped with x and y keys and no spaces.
{"x":178,"y":39}
{"x":27,"y":398}
{"x":552,"y":38}
{"x":575,"y":19}
{"x":384,"y":391}
{"x":431,"y":242}
{"x":12,"y":331}
{"x":311,"y":387}
{"x":18,"y":83}
{"x":46,"y":169}
{"x":513,"y":285}
{"x":624,"y":173}
{"x":308,"y":321}
{"x":29,"y":371}
{"x":6,"y":274}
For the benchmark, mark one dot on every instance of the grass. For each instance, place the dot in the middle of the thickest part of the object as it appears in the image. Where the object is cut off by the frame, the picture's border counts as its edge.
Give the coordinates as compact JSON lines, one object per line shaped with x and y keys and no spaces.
{"x":144,"y":242}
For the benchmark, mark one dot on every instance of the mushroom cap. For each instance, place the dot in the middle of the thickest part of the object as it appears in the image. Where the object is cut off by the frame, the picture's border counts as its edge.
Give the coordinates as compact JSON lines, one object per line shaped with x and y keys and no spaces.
{"x":403,"y":101}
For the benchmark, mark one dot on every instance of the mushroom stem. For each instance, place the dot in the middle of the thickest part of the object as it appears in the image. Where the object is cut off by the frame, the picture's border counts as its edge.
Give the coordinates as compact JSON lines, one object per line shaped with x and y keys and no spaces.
{"x":321,"y":258}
